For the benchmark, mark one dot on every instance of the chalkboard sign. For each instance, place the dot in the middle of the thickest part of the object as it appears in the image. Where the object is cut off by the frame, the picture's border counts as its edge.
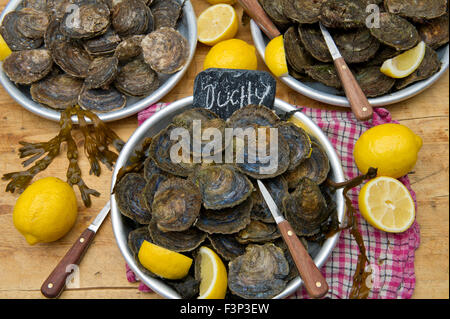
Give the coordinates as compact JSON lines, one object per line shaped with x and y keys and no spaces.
{"x":223,"y":91}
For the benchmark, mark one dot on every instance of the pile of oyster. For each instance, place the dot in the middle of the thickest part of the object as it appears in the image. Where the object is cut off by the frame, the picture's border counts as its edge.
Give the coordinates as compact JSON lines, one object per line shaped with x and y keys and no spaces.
{"x":365,"y":38}
{"x":181,"y":206}
{"x":92,"y":53}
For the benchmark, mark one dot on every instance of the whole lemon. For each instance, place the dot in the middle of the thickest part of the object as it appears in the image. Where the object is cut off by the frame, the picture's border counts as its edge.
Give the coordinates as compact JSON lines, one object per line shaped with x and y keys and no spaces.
{"x":392,"y":148}
{"x":221,"y":1}
{"x":45,"y":211}
{"x":232,"y":54}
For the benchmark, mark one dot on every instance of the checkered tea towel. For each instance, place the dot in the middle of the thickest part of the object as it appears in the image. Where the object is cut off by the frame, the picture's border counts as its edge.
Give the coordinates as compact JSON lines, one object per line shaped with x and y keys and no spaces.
{"x":391,"y":256}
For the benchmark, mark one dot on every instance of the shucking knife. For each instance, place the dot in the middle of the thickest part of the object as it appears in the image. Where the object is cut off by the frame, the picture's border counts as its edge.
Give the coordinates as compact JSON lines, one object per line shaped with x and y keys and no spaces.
{"x":56,"y":282}
{"x":314,"y":282}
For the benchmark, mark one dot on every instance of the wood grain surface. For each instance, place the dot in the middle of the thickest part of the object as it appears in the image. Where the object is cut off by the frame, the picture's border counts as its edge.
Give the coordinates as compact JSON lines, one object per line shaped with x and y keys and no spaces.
{"x":23,"y":268}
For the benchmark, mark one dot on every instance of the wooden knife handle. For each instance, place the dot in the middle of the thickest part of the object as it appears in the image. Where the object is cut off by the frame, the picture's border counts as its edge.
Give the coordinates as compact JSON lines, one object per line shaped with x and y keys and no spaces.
{"x":257,"y":13}
{"x":356,"y":97}
{"x":55,"y":283}
{"x":314,"y":282}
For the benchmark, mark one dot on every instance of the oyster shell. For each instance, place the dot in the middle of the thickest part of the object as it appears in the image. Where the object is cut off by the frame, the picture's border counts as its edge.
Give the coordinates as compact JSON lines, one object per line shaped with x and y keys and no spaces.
{"x":101,"y":100}
{"x":32,"y":23}
{"x":357,"y":46}
{"x":373,"y":82}
{"x":188,"y":287}
{"x":150,"y":168}
{"x":58,"y":91}
{"x":302,"y":11}
{"x":274,"y":9}
{"x":101,"y":72}
{"x":420,"y":9}
{"x":296,"y":54}
{"x":305,"y":208}
{"x":132,"y":17}
{"x":313,"y":41}
{"x":226,"y":246}
{"x":384,"y":52}
{"x":166,"y":13}
{"x":53,"y":34}
{"x":179,"y":241}
{"x":28,"y":66}
{"x":395,"y":32}
{"x":258,"y":232}
{"x":222,"y":186}
{"x":129,"y":48}
{"x":165,"y":50}
{"x":71,"y":58}
{"x":298,"y":141}
{"x":151,"y":187}
{"x":40,"y":5}
{"x":251,"y":115}
{"x":176,"y":204}
{"x":10,"y":32}
{"x":186,"y":118}
{"x":136,"y":78}
{"x":345,"y":14}
{"x":135,"y":239}
{"x":259,"y":273}
{"x":435,"y":32}
{"x":128,"y":196}
{"x":225,"y":221}
{"x":278,"y":188}
{"x":103,"y":44}
{"x":324,"y":73}
{"x":316,"y":168}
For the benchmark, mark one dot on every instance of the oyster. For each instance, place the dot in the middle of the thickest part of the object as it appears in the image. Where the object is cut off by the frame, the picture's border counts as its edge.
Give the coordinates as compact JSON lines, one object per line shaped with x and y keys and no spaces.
{"x":258,"y":232}
{"x":10,"y":31}
{"x":166,"y":13}
{"x":373,"y":82}
{"x":259,"y":273}
{"x":165,"y":50}
{"x":344,"y":14}
{"x":188,"y":287}
{"x":306,"y":208}
{"x":32,"y":23}
{"x":357,"y":46}
{"x":132,"y":17}
{"x":160,"y":152}
{"x":274,"y":9}
{"x":88,"y":20}
{"x":103,"y":44}
{"x":150,"y":168}
{"x":225,"y":221}
{"x":313,"y":41}
{"x":324,"y":73}
{"x":226,"y":246}
{"x":135,"y":239}
{"x":72,"y":58}
{"x":128,"y":196}
{"x":384,"y":52}
{"x":58,"y":8}
{"x":296,"y":54}
{"x":136,"y":78}
{"x":251,"y":115}
{"x":316,"y":168}
{"x":40,"y":5}
{"x":28,"y":66}
{"x":101,"y":100}
{"x":435,"y":32}
{"x":176,"y":204}
{"x":187,"y":118}
{"x":420,"y":9}
{"x":129,"y":48}
{"x":222,"y":186}
{"x":395,"y":32}
{"x":278,"y":188}
{"x":302,"y":11}
{"x":179,"y":241}
{"x":429,"y":66}
{"x":298,"y":141}
{"x":53,"y":34}
{"x":101,"y":72}
{"x":58,"y":91}
{"x":151,"y":187}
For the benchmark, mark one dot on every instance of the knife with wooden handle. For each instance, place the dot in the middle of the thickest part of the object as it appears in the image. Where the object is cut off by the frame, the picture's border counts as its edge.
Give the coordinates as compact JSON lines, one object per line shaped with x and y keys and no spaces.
{"x":314,"y":282}
{"x":257,"y":13}
{"x":54,"y":285}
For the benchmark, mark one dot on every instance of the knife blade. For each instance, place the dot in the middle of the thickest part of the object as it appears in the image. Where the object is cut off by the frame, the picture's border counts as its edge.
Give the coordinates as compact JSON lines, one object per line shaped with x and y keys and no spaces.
{"x":314,"y":282}
{"x":356,"y":97}
{"x":55,"y":283}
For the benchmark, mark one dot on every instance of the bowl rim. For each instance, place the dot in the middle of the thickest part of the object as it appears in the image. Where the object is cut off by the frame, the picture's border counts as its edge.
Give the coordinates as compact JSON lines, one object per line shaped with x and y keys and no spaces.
{"x":333,"y":99}
{"x":135,"y":140}
{"x":128,"y":110}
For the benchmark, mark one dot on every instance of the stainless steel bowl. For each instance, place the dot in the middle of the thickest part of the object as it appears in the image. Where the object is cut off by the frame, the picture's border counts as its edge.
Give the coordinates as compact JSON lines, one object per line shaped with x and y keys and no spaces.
{"x":122,"y":225}
{"x":187,"y":26}
{"x":319,"y":92}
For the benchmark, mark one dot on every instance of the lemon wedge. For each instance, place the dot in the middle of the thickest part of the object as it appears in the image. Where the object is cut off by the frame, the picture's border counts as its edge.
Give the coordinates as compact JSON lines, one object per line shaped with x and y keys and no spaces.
{"x":275,"y":57}
{"x":5,"y":51}
{"x":387,"y":204}
{"x":404,"y":64}
{"x":213,"y":275}
{"x":217,"y":23}
{"x":164,"y":262}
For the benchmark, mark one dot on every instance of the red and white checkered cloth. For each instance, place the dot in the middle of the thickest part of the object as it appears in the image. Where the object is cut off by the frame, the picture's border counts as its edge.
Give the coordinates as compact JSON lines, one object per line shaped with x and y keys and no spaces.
{"x":391,"y":256}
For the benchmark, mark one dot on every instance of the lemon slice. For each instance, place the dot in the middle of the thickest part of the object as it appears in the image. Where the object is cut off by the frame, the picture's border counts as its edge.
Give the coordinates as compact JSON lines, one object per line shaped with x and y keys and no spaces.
{"x":5,"y":51}
{"x":275,"y":57}
{"x":404,"y":64}
{"x":213,"y":275}
{"x":217,"y":23}
{"x":164,"y":262}
{"x":387,"y":204}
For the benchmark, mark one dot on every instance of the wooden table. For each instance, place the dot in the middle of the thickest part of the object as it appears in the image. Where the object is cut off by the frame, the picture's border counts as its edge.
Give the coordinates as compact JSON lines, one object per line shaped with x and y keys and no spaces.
{"x":23,"y":268}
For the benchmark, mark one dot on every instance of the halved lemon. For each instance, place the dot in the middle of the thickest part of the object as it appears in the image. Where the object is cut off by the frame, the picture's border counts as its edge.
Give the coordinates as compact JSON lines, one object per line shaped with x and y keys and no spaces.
{"x":213,"y":275}
{"x":404,"y":64}
{"x":387,"y":204}
{"x":217,"y":23}
{"x":5,"y":51}
{"x":275,"y":57}
{"x":164,"y":262}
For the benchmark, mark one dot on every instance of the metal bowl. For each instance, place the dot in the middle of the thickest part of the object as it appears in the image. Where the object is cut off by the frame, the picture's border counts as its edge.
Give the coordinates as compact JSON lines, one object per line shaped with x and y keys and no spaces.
{"x":320,"y":92}
{"x":122,"y":225}
{"x":187,"y":26}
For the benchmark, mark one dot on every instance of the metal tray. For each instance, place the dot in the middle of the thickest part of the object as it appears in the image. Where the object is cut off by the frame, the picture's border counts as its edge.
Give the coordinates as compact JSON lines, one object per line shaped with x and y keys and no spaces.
{"x":319,"y":92}
{"x":122,"y":225}
{"x":187,"y":26}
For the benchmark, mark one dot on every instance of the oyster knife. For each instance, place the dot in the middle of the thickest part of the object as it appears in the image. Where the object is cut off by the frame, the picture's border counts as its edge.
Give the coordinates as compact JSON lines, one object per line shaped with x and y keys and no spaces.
{"x":55,"y":283}
{"x":314,"y":282}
